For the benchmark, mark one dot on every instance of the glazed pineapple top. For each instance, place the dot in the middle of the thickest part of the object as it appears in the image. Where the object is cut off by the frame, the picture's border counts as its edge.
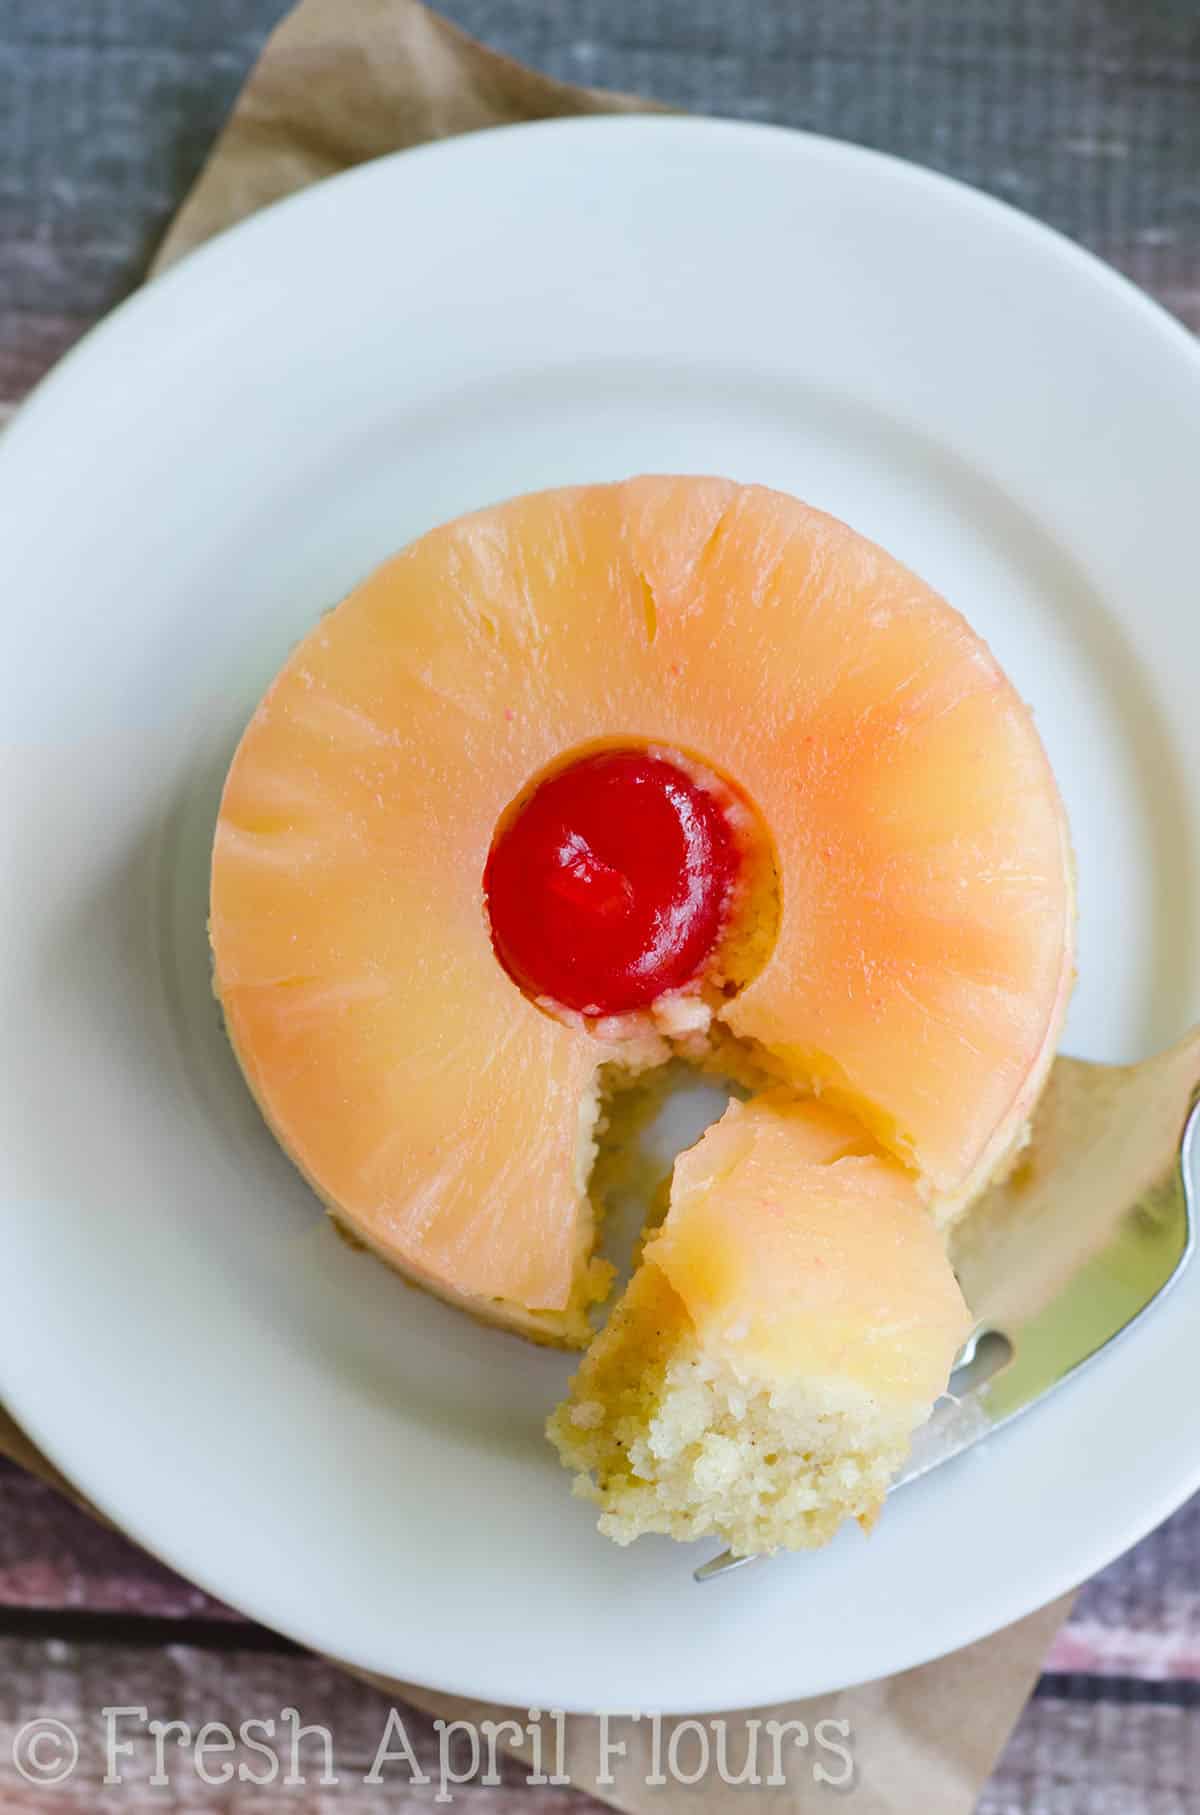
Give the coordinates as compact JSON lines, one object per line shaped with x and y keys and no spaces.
{"x":921,"y":957}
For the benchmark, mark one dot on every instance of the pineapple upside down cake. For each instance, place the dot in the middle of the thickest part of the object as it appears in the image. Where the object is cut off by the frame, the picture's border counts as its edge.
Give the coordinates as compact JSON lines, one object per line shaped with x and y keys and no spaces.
{"x":615,"y":774}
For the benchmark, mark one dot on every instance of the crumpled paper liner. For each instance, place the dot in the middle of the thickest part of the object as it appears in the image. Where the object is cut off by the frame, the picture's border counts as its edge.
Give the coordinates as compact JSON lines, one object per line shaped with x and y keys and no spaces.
{"x":341,"y":81}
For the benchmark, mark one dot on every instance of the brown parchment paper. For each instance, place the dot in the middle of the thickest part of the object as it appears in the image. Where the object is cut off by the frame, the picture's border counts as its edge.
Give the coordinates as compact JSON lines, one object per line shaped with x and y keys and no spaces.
{"x":341,"y":81}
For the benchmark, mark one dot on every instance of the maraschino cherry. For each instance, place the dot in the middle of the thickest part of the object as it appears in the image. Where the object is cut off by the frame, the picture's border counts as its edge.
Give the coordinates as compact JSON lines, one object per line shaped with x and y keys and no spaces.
{"x":609,"y":885}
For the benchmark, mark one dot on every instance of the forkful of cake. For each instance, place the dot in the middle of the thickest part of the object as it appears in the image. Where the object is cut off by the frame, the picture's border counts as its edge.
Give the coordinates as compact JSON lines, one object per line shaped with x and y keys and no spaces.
{"x":1071,"y":1251}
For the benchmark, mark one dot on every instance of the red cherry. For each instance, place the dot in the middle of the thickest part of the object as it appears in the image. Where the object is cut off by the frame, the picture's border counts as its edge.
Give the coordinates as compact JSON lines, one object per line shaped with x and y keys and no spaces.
{"x":609,"y":884}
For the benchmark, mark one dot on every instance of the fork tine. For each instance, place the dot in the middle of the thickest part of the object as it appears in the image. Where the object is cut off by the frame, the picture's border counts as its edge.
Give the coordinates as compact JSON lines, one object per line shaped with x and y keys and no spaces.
{"x":720,"y":1566}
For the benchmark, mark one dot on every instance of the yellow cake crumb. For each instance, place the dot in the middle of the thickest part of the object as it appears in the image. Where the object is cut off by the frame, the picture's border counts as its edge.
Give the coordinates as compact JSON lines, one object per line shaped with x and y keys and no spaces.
{"x":665,"y":1438}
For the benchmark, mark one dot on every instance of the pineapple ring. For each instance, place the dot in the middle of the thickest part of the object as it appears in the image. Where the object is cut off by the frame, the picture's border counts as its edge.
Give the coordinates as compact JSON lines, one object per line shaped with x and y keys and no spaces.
{"x":922,"y":959}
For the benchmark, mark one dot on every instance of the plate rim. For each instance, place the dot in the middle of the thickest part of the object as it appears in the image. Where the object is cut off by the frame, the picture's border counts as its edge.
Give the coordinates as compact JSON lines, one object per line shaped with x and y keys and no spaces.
{"x":1154,"y":314}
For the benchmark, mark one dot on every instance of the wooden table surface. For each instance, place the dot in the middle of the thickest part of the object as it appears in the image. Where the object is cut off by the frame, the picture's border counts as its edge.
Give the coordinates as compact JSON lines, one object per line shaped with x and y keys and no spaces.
{"x":1086,"y":113}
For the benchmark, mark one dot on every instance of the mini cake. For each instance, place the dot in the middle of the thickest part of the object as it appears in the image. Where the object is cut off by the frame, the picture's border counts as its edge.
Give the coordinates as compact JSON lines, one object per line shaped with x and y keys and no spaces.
{"x":615,"y":773}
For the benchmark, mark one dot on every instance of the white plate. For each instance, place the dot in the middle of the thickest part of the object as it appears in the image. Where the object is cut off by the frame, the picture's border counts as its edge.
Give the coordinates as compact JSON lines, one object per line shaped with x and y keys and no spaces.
{"x":278,"y":1417}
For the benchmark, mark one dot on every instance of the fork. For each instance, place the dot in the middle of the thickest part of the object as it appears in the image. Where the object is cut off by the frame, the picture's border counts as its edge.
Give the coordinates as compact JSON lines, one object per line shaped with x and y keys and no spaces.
{"x":1068,"y":1254}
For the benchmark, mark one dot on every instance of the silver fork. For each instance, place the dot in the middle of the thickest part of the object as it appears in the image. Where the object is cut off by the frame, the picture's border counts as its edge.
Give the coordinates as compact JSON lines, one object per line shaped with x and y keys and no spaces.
{"x":1008,"y":1365}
